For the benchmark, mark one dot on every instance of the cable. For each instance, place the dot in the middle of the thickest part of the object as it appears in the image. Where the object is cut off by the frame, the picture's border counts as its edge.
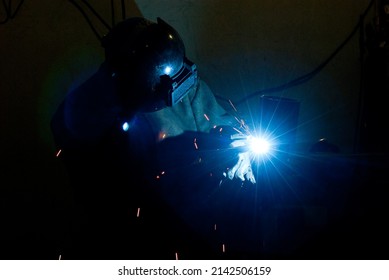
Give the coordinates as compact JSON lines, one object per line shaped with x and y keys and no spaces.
{"x":311,"y":74}
{"x":8,"y":13}
{"x":97,"y":15}
{"x":87,"y":19}
{"x":17,"y":8}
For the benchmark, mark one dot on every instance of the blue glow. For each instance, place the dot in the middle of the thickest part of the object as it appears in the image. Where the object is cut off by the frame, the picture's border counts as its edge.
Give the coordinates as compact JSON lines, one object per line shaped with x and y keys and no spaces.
{"x":259,"y":145}
{"x":125,"y":126}
{"x":167,"y":70}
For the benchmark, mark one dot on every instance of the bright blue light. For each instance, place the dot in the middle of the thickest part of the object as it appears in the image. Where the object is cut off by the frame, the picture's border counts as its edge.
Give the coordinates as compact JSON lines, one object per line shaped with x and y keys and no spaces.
{"x":125,"y":126}
{"x":167,"y":70}
{"x":258,"y":145}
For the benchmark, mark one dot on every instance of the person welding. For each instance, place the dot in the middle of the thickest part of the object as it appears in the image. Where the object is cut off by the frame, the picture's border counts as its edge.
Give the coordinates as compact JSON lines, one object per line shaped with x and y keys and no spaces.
{"x":145,"y":144}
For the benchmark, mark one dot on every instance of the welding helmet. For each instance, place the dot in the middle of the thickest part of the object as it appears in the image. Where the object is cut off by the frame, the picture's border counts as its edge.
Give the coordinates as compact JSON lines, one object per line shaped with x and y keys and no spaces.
{"x":148,"y":60}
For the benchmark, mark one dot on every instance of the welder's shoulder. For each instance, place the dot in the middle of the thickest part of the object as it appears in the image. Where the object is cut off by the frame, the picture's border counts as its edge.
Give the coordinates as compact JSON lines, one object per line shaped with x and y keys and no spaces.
{"x":96,"y":94}
{"x":87,"y":110}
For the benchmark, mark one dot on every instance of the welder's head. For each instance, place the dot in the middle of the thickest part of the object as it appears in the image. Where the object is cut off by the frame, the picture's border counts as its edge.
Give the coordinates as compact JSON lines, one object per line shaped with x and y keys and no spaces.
{"x":148,"y":59}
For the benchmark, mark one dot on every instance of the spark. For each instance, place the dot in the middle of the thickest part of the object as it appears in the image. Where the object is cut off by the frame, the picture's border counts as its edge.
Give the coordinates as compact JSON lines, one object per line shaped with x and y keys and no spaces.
{"x":205,"y":115}
{"x":242,"y":124}
{"x":58,"y":153}
{"x":138,"y":212}
{"x":237,"y":130}
{"x":232,"y":105}
{"x":59,"y":257}
{"x":161,"y":135}
{"x":158,"y":176}
{"x":214,"y":227}
{"x":224,"y":248}
{"x":195,"y":143}
{"x":176,"y":256}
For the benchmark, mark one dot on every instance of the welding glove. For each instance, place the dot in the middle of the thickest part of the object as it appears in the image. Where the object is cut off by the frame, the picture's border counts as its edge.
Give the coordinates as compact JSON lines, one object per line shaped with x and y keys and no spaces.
{"x":242,"y":168}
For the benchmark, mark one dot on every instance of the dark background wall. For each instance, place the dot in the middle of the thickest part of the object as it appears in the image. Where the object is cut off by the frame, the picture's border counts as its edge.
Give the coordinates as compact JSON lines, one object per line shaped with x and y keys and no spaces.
{"x":240,"y":47}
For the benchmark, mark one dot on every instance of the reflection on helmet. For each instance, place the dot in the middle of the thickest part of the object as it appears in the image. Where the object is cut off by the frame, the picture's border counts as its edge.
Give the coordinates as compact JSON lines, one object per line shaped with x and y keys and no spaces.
{"x":149,"y":61}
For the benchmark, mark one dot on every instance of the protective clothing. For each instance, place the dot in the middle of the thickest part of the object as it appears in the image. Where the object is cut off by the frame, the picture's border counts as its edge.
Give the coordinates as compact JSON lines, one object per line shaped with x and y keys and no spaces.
{"x":124,"y":160}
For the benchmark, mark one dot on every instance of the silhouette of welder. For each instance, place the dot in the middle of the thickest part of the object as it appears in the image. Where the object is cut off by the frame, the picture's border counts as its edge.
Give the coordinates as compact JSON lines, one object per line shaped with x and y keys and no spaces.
{"x":146,"y":144}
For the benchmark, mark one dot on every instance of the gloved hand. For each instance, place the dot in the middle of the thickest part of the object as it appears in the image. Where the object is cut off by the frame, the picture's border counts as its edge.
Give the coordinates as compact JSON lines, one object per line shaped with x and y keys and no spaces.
{"x":242,"y":169}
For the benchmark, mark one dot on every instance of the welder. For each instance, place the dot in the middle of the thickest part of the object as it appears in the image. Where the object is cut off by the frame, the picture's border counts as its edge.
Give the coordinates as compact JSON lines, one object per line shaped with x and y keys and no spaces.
{"x":142,"y":139}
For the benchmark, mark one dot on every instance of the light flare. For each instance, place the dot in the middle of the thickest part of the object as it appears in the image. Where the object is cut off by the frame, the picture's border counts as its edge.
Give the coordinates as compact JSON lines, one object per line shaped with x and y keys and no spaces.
{"x":258,"y":145}
{"x":168,"y":70}
{"x":125,"y":126}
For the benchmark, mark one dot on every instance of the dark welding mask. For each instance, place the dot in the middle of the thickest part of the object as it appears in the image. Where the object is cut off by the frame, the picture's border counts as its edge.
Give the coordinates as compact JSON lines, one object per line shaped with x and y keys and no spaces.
{"x":148,"y":59}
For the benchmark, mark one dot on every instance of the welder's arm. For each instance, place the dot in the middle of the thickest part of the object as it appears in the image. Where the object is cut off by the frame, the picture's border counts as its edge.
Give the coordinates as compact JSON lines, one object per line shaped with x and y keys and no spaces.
{"x":220,"y":123}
